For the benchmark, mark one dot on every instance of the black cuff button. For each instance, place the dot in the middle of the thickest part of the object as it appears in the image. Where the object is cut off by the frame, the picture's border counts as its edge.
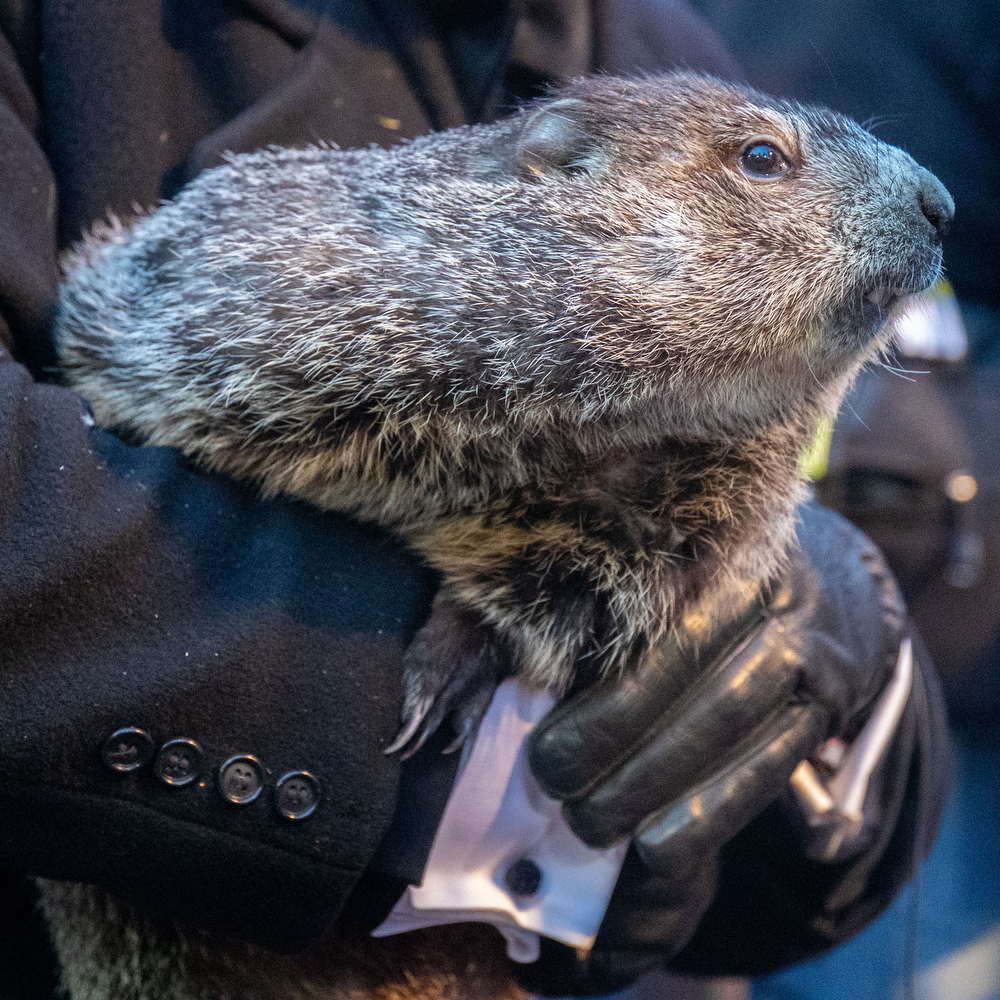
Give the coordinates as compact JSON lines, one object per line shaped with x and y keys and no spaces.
{"x":241,"y":779}
{"x":523,"y":878}
{"x":297,"y":795}
{"x":127,"y":750}
{"x":178,"y":763}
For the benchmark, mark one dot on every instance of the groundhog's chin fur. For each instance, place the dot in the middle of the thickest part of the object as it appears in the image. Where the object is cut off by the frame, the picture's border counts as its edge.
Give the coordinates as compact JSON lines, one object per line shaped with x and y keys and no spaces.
{"x":572,"y":358}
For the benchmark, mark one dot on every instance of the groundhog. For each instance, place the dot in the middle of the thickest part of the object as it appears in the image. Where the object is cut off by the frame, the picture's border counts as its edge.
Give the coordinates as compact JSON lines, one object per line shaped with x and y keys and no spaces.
{"x":571,"y":358}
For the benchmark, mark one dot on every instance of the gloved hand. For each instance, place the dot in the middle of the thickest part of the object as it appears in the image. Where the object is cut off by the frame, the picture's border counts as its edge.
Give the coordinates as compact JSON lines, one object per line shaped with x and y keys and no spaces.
{"x":705,"y":737}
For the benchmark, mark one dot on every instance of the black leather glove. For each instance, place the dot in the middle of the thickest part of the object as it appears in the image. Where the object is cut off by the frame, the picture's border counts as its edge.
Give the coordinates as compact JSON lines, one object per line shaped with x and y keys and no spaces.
{"x":705,"y":737}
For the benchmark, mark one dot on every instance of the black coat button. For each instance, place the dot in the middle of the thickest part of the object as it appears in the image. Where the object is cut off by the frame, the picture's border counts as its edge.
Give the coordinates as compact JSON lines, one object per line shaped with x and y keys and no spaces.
{"x":127,"y":749}
{"x":241,"y":779}
{"x":524,"y":877}
{"x":296,"y":795}
{"x":178,"y":763}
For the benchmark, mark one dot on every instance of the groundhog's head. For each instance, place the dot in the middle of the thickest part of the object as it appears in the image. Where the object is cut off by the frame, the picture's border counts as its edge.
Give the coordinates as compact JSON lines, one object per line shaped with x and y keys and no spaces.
{"x":730,"y":251}
{"x":657,"y":256}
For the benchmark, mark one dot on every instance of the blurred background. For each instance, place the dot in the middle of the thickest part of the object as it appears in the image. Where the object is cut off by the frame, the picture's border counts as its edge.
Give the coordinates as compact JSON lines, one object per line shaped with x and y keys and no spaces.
{"x":914,"y":459}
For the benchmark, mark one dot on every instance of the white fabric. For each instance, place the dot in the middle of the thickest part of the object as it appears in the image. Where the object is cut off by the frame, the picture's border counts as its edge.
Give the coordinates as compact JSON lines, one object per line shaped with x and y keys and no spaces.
{"x":497,"y":814}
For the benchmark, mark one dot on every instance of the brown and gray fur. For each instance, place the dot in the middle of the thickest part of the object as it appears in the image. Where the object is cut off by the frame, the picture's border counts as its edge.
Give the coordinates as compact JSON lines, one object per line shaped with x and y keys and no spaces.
{"x":571,"y":358}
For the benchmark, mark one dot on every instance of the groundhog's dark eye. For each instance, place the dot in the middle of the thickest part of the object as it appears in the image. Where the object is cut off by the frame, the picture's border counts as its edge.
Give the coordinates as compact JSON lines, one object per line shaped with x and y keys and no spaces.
{"x":764,"y":159}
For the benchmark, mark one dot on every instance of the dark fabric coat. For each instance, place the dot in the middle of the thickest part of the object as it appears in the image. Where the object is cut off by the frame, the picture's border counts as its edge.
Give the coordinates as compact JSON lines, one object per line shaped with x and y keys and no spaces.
{"x":135,"y":592}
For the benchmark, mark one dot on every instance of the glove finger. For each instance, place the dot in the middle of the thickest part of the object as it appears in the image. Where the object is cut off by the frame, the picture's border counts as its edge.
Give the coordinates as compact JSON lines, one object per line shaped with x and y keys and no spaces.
{"x":648,"y":919}
{"x":587,"y":738}
{"x":708,"y":724}
{"x":562,"y":971}
{"x":716,"y":810}
{"x":651,"y":910}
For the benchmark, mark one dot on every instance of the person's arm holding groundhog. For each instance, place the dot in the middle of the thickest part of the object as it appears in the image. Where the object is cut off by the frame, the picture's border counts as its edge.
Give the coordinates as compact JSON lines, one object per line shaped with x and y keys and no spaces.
{"x":122,"y":568}
{"x":732,"y":869}
{"x":134,"y":591}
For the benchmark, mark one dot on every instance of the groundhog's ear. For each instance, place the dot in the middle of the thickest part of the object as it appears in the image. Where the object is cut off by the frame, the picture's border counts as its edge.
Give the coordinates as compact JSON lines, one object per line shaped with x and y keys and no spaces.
{"x":555,"y":139}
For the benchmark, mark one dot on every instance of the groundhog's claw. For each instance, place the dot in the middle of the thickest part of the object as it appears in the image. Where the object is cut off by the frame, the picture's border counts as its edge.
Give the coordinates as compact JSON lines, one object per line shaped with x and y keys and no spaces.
{"x":451,"y":668}
{"x":412,"y":717}
{"x":468,"y":715}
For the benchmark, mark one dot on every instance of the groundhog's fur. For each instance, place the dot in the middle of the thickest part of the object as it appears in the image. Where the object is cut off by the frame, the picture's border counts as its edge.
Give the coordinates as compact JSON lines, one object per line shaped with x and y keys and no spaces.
{"x":571,"y":358}
{"x":111,"y":952}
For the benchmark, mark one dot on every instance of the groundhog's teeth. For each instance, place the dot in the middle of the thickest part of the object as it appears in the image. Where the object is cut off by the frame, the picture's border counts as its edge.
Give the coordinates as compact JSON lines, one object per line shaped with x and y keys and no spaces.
{"x":885,"y":295}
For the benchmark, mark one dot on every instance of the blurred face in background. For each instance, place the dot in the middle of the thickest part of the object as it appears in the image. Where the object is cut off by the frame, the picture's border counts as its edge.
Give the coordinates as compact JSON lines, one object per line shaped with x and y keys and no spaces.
{"x":914,"y":463}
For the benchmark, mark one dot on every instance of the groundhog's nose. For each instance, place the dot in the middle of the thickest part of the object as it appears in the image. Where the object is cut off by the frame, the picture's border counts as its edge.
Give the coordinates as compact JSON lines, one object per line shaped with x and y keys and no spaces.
{"x":936,"y":203}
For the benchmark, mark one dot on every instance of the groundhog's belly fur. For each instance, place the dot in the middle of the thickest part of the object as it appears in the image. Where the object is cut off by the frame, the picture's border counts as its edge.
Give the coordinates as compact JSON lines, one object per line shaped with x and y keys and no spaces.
{"x":571,"y":358}
{"x":110,"y":952}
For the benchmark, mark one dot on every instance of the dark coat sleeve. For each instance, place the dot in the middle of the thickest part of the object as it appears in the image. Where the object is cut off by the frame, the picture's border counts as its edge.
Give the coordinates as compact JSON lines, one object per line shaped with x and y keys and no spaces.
{"x":138,"y":593}
{"x":28,"y":198}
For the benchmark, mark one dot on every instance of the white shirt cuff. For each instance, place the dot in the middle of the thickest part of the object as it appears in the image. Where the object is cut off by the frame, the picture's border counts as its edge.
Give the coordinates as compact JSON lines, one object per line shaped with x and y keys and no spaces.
{"x":497,"y":816}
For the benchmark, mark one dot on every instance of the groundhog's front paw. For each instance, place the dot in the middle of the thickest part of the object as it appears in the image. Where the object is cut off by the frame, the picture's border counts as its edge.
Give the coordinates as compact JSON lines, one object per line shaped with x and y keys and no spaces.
{"x":452,"y":667}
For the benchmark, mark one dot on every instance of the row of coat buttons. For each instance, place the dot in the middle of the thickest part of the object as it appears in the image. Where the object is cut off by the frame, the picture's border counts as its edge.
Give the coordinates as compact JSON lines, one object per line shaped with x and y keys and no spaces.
{"x":240,"y":779}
